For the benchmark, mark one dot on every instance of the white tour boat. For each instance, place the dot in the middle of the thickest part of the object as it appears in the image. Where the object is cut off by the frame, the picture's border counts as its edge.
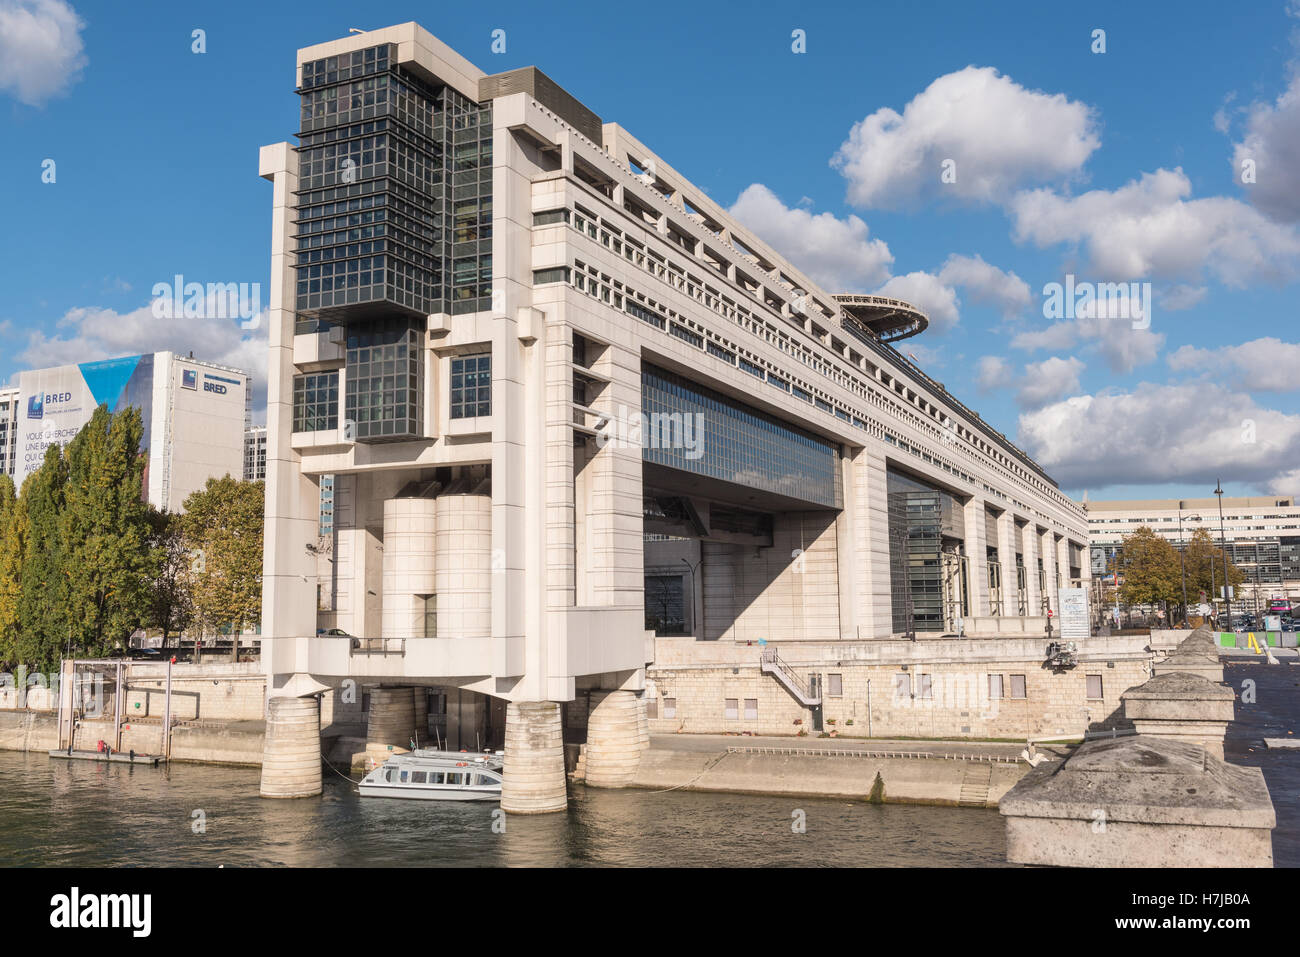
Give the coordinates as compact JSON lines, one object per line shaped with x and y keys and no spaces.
{"x":437,"y":776}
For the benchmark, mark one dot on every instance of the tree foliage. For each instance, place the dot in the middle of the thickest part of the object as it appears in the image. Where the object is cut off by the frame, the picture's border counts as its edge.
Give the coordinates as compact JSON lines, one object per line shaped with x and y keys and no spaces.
{"x":1205,"y":567}
{"x":223,"y":533}
{"x":1151,"y":569}
{"x":84,"y":561}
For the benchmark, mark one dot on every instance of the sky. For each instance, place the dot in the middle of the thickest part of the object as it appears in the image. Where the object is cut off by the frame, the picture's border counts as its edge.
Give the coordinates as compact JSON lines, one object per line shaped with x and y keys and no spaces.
{"x":976,"y":160}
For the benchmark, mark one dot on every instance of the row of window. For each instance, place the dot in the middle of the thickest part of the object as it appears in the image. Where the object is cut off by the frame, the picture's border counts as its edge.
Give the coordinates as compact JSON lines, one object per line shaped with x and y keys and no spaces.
{"x":595,"y":228}
{"x":998,"y":687}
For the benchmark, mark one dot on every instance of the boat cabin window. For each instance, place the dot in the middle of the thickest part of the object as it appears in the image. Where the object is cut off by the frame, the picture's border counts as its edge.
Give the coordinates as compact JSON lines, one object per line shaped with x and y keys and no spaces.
{"x":484,"y":779}
{"x":417,"y":777}
{"x":404,"y":776}
{"x":453,"y":778}
{"x":436,"y":777}
{"x":388,"y":775}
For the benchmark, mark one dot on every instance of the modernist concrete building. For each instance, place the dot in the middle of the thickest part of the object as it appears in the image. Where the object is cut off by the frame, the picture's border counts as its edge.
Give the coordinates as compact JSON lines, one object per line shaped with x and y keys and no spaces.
{"x":570,"y":408}
{"x":255,"y":453}
{"x":1262,"y":535}
{"x":194,"y":413}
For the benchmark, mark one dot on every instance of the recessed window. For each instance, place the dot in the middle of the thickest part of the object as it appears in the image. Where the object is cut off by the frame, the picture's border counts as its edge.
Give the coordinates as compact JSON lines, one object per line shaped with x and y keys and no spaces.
{"x":1094,"y":687}
{"x":471,"y":386}
{"x":751,"y":709}
{"x":730,"y":709}
{"x":835,"y":685}
{"x":926,"y":687}
{"x":995,"y":687}
{"x":902,"y":687}
{"x":670,"y":707}
{"x":558,"y":274}
{"x":1018,"y":686}
{"x":316,"y":402}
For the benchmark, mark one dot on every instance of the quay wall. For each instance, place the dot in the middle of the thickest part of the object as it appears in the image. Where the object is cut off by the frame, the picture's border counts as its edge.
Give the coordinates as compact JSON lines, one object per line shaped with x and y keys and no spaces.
{"x":719,"y":687}
{"x":905,"y":780}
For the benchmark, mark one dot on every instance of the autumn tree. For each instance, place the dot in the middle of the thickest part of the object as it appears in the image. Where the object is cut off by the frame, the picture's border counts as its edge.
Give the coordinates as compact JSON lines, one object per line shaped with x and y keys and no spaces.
{"x":223,"y":535}
{"x":1151,"y":569}
{"x":1205,"y":567}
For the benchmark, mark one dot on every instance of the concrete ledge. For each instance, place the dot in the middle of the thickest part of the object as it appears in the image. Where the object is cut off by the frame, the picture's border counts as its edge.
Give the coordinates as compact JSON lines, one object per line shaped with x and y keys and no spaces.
{"x":1140,"y":801}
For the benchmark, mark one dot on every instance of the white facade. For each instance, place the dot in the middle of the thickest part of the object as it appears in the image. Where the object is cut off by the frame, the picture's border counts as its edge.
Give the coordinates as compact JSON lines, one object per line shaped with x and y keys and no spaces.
{"x":8,"y":432}
{"x":608,"y":267}
{"x":1262,"y":534}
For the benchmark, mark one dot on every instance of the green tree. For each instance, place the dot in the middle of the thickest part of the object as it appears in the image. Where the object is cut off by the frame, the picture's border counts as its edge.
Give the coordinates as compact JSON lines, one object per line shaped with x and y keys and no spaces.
{"x":12,"y":528}
{"x":223,"y":535}
{"x":106,"y":531}
{"x":169,"y":606}
{"x":1151,"y":570}
{"x":42,"y":628}
{"x":1201,"y":556}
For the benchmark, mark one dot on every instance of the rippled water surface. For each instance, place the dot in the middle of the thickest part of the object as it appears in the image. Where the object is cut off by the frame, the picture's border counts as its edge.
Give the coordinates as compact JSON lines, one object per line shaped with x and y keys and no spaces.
{"x":72,"y":813}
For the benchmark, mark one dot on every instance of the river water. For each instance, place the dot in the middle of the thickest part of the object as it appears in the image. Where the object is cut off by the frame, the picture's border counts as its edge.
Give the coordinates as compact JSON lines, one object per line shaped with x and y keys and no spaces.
{"x":81,"y":813}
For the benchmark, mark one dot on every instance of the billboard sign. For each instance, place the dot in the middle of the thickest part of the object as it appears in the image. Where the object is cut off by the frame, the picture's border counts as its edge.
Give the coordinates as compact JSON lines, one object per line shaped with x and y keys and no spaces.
{"x":60,"y":401}
{"x":1074,"y":621}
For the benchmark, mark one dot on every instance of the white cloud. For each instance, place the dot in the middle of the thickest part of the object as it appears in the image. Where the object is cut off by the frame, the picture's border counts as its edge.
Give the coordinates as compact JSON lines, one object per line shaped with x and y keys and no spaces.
{"x":1148,"y":228}
{"x":1046,"y":381}
{"x":86,"y":334}
{"x":40,"y":49}
{"x":999,"y":134}
{"x":1156,"y":434}
{"x":835,"y":253}
{"x":1266,"y":364}
{"x":992,"y":372}
{"x":987,"y":284}
{"x":1123,"y":347}
{"x":1272,"y":142}
{"x":1181,"y":296}
{"x":929,"y":294}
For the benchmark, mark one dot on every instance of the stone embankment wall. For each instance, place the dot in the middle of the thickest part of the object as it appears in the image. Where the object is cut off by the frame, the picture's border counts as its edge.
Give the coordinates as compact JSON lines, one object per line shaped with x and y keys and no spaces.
{"x":688,"y":688}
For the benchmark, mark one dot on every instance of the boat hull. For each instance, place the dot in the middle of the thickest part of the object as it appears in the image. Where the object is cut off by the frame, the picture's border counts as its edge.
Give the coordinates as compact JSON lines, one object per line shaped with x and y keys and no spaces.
{"x":417,"y":793}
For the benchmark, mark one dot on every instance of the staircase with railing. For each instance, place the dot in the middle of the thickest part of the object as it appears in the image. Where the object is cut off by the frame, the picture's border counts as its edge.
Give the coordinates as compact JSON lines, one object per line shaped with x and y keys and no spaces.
{"x":770,"y":663}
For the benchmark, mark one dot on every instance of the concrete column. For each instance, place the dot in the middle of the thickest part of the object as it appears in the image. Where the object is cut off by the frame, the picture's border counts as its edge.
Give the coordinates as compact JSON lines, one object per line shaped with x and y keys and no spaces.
{"x":613,"y":739}
{"x":1007,"y":556}
{"x":1033,"y":546}
{"x":392,"y":718}
{"x":1048,"y":545}
{"x":533,"y":779}
{"x":976,"y":561}
{"x":642,"y":722}
{"x":291,"y":755}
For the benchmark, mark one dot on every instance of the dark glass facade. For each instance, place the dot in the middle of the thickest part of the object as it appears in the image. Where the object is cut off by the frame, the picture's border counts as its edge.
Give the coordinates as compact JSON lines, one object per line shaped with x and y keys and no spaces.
{"x":739,"y":444}
{"x":385,"y":380}
{"x":315,"y":402}
{"x":920,"y":519}
{"x":394,"y":192}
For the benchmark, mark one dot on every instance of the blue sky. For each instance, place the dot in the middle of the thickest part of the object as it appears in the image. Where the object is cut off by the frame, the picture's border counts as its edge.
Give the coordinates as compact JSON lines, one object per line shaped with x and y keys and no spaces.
{"x":1122,"y":166}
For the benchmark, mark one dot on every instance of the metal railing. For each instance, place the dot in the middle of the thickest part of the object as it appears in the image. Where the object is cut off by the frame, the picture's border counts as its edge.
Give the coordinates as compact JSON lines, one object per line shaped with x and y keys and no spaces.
{"x":770,"y":662}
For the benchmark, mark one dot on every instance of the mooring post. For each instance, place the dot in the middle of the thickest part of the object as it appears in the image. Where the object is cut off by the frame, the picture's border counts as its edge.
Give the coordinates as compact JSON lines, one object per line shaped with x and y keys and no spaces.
{"x":167,"y":714}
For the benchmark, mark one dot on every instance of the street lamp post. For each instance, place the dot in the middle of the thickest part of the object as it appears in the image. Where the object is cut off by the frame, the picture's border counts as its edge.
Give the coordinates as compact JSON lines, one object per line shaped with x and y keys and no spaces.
{"x":1223,"y":542}
{"x":1182,"y":557}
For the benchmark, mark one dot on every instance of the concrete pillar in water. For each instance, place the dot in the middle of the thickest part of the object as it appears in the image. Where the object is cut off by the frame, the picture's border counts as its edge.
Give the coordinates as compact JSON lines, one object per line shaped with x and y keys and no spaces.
{"x":291,"y":756}
{"x":533,"y":779}
{"x":642,"y":722}
{"x":392,"y":718}
{"x":614,"y":738}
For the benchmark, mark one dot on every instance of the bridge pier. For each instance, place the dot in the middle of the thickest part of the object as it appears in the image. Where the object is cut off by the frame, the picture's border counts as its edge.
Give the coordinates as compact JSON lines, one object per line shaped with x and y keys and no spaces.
{"x":615,"y":729}
{"x":291,"y":755}
{"x":533,"y":780}
{"x":392,"y":718}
